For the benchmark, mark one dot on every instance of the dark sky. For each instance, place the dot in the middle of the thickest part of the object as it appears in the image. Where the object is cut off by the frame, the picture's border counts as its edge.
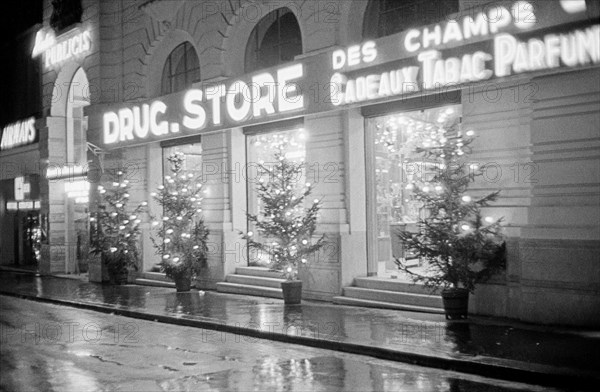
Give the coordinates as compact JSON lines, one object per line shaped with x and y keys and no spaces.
{"x":17,"y":16}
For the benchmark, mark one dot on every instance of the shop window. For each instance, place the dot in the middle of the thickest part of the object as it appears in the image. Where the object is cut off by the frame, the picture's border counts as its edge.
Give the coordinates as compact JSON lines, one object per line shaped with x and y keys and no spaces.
{"x":182,"y":68}
{"x":276,"y":39}
{"x":260,"y":151}
{"x":387,"y":17}
{"x":393,"y":140}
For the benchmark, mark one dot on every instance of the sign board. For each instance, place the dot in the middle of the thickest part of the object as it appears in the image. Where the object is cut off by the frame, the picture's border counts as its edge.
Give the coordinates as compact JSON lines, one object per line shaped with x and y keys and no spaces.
{"x":70,"y":171}
{"x":480,"y":44}
{"x":23,"y":205}
{"x":17,"y":134}
{"x":22,"y":188}
{"x":73,"y":44}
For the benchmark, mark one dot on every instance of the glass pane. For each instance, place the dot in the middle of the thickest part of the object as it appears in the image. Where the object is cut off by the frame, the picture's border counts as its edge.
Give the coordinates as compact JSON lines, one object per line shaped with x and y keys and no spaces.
{"x":261,"y":149}
{"x":166,"y":79}
{"x":181,"y":69}
{"x":395,"y":16}
{"x":177,"y":59}
{"x":191,"y":58}
{"x":178,"y":82}
{"x":397,"y":166}
{"x":274,"y":40}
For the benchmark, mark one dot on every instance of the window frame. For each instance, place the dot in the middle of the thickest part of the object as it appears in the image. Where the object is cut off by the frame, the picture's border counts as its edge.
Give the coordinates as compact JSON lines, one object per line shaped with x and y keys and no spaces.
{"x":374,"y":25}
{"x":254,"y":46}
{"x":191,"y":75}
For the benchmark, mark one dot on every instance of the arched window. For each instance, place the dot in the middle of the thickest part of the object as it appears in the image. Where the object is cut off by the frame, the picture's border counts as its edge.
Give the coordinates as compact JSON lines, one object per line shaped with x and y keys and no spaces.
{"x":386,"y":17}
{"x":276,"y":39}
{"x":181,"y":69}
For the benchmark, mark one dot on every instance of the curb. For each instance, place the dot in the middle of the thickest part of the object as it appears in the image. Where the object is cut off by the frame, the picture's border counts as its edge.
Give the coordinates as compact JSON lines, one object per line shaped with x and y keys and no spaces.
{"x":504,"y":369}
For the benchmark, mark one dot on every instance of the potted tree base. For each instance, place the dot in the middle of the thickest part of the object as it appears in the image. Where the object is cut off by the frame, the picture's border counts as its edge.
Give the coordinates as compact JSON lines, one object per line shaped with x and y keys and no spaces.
{"x":182,"y":235}
{"x":115,"y":232}
{"x":286,"y":223}
{"x":456,"y":303}
{"x":461,"y":247}
{"x":182,"y":283}
{"x":292,"y":292}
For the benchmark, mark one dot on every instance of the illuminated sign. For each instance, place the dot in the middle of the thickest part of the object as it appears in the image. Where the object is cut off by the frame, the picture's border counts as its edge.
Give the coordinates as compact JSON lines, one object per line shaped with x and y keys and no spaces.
{"x":22,"y":205}
{"x":22,"y":188}
{"x":503,"y":56}
{"x":266,"y":94}
{"x":18,"y":134}
{"x":477,"y":45}
{"x":73,"y":44}
{"x":66,"y":171}
{"x":79,"y":189}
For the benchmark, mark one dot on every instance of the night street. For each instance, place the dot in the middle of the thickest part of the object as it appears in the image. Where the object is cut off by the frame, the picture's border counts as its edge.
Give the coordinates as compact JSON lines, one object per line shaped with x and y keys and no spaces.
{"x":300,"y":195}
{"x":54,"y":348}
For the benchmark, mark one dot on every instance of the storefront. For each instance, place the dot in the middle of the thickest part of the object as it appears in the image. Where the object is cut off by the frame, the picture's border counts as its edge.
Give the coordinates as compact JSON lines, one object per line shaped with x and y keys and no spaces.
{"x":65,"y":47}
{"x":513,"y":73}
{"x":20,"y":220}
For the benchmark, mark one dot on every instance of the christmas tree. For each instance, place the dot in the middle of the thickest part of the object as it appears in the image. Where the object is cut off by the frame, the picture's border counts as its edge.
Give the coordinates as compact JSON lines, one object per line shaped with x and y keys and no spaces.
{"x":181,"y":230}
{"x":116,"y":229}
{"x":285,"y":226}
{"x":460,"y":246}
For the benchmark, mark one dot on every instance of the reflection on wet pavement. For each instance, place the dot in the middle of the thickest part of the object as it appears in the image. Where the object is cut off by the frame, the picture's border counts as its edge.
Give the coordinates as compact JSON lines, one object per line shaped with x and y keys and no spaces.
{"x":329,"y":373}
{"x":428,"y":334}
{"x":98,"y":352}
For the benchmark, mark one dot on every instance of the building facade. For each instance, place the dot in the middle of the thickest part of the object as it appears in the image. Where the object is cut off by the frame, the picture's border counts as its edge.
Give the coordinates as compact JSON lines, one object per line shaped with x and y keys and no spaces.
{"x":351,"y":87}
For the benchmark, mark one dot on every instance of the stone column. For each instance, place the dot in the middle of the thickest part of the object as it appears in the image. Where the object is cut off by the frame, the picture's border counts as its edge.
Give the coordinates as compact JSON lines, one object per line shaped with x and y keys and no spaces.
{"x":222,"y":162}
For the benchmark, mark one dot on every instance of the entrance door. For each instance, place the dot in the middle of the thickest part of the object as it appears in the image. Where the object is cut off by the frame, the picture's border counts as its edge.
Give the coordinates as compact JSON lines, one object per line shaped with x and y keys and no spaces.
{"x":393,"y":165}
{"x":29,"y":239}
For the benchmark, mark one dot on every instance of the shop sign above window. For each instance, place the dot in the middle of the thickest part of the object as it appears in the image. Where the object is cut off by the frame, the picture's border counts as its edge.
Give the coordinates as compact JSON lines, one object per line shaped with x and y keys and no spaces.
{"x":67,"y":171}
{"x":236,"y":102}
{"x":23,"y":205}
{"x":74,"y":44}
{"x":18,"y":134}
{"x":475,"y":46}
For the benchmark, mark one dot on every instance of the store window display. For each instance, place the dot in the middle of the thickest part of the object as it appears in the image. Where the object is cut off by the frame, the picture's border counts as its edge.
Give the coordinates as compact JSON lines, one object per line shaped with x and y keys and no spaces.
{"x":395,"y":166}
{"x":260,"y":151}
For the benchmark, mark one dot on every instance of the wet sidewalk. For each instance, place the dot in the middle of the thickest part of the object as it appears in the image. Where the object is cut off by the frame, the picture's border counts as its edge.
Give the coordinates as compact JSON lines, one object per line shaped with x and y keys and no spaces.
{"x":485,"y":346}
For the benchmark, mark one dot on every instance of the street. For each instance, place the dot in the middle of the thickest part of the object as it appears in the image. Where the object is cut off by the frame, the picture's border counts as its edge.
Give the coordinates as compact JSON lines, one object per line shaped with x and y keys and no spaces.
{"x":54,"y":348}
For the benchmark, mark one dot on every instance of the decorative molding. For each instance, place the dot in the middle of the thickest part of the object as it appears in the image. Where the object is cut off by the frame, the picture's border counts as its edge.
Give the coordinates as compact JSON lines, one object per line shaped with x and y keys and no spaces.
{"x":163,"y":11}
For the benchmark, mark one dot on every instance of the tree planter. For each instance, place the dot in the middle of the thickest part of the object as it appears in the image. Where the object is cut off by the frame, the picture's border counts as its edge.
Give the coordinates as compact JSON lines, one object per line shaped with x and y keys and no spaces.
{"x":117,"y":278}
{"x":456,"y":303}
{"x":292,"y":292}
{"x":183,"y":283}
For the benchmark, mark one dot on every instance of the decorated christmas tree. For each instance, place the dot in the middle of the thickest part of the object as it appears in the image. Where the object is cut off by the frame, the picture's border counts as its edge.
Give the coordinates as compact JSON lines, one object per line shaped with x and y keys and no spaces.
{"x":182,"y":235}
{"x":284,"y":225}
{"x":459,"y":246}
{"x":116,"y":228}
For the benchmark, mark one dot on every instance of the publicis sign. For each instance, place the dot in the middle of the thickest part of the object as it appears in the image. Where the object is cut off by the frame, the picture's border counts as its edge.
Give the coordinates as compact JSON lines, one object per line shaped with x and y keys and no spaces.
{"x":73,"y":44}
{"x":20,"y":133}
{"x":480,"y":44}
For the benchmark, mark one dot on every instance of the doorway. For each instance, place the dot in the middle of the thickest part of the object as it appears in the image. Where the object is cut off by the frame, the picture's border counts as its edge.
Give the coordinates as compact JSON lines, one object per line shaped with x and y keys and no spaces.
{"x":393,"y":164}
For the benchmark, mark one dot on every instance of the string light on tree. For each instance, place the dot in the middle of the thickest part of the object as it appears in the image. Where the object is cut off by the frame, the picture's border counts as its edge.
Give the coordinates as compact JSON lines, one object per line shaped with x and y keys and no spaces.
{"x":284,"y":224}
{"x":115,"y":229}
{"x":181,"y":232}
{"x":453,"y":235}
